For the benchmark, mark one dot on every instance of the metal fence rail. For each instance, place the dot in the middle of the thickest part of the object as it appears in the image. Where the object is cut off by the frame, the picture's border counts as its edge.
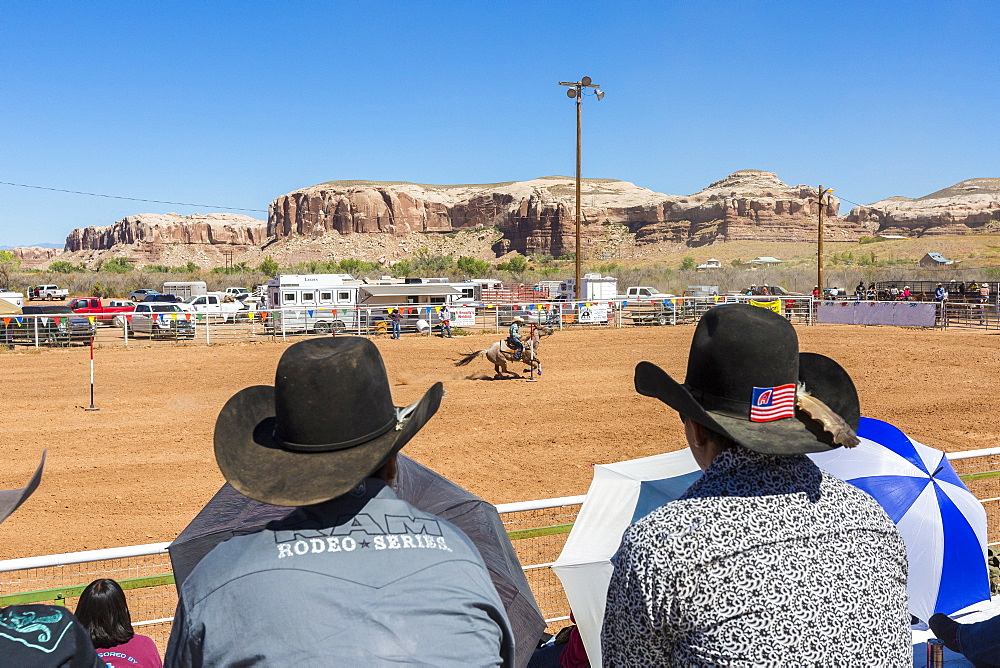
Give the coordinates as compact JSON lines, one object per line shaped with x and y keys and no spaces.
{"x":180,"y":328}
{"x":538,"y":530}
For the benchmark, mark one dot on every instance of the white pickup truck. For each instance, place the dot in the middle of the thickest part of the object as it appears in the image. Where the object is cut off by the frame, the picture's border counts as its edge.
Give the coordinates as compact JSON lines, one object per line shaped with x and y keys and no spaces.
{"x":45,"y":292}
{"x":643,"y":292}
{"x":216,"y":304}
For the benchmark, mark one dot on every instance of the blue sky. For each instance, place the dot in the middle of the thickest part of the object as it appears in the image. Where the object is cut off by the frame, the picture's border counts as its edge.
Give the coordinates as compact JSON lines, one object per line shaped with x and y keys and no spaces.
{"x":235,"y":103}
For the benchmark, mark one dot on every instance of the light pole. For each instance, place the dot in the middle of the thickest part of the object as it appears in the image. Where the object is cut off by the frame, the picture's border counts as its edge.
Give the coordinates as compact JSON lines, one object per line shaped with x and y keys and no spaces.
{"x":576,"y":91}
{"x":819,"y":244}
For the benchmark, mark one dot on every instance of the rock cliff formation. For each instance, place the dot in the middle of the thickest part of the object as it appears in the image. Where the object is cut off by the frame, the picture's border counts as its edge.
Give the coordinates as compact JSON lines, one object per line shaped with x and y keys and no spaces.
{"x":171,"y":228}
{"x":969,"y":206}
{"x":384,"y":221}
{"x":32,"y":256}
{"x":538,"y":216}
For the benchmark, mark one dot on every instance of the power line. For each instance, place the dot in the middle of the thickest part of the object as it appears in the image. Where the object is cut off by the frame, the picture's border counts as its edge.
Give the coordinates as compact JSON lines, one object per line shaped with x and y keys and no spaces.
{"x":133,"y":199}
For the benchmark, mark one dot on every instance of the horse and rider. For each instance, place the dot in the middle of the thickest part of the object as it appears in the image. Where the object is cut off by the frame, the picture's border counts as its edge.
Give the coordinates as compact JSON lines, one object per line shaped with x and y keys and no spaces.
{"x":514,"y":341}
{"x":512,"y":348}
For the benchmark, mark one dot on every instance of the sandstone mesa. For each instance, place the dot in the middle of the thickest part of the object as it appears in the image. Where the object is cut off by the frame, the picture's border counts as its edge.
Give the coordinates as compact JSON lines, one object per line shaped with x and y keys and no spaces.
{"x":386,"y":221}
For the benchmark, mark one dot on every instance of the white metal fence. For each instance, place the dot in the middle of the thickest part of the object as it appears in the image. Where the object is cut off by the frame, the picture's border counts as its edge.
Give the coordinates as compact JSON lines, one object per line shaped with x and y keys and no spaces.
{"x":538,"y":530}
{"x":180,"y":328}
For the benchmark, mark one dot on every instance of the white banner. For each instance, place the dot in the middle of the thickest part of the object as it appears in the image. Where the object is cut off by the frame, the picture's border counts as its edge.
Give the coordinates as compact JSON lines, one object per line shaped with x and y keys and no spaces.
{"x":463,"y":317}
{"x":593,"y":314}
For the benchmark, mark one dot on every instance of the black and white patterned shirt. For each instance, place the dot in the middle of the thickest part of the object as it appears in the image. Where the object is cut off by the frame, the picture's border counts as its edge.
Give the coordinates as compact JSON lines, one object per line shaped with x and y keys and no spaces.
{"x":764,"y":561}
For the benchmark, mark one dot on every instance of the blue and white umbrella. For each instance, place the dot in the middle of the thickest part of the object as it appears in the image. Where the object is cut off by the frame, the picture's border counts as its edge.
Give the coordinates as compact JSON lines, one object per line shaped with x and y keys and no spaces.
{"x":620,"y":494}
{"x":941,"y":522}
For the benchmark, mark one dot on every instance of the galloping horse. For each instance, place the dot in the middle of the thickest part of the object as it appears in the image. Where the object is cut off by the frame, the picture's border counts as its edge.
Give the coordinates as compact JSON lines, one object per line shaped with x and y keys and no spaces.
{"x":499,"y":354}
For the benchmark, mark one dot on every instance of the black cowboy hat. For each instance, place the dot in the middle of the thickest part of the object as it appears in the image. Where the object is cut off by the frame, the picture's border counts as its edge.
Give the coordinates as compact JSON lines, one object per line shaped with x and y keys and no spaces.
{"x":738,"y":354}
{"x":326,"y":424}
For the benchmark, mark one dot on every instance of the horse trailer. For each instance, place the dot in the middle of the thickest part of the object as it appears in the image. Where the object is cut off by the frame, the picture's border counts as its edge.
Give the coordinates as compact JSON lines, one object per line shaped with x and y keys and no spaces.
{"x":313,"y":303}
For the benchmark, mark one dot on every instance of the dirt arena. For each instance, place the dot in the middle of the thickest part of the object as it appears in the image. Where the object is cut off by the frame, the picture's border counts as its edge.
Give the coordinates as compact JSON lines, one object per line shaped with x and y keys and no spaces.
{"x":139,"y":469}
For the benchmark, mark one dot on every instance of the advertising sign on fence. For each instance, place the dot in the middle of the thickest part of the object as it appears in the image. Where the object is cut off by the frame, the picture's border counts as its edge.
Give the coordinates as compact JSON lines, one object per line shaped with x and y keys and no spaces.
{"x":771,"y":304}
{"x":594,"y":314}
{"x":913,"y":314}
{"x":463,"y":317}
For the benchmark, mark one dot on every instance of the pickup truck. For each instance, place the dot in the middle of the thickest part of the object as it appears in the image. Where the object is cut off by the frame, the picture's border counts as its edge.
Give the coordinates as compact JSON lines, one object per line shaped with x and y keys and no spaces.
{"x":104,"y":313}
{"x":238,"y":293}
{"x":48,"y":325}
{"x":215,"y":303}
{"x":47,"y":292}
{"x":644,"y":293}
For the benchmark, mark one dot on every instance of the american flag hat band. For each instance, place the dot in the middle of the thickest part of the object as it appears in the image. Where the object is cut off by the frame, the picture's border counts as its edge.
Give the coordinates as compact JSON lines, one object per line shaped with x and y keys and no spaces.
{"x":766,"y":403}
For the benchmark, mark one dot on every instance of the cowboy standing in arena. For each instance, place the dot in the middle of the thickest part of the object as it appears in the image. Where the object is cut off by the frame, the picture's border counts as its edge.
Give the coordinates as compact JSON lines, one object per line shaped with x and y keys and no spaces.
{"x":444,"y":317}
{"x":355,"y":576}
{"x":765,"y":560}
{"x":514,"y":337}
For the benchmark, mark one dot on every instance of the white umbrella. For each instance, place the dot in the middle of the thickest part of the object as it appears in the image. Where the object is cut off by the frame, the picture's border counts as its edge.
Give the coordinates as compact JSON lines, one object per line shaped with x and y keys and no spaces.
{"x":619,"y":495}
{"x":941,"y":522}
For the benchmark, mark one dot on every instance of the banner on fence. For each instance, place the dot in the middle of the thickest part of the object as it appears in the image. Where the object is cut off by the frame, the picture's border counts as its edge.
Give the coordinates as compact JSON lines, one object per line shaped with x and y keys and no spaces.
{"x":594,"y":314}
{"x":913,"y":314}
{"x":771,"y":304}
{"x":463,"y":317}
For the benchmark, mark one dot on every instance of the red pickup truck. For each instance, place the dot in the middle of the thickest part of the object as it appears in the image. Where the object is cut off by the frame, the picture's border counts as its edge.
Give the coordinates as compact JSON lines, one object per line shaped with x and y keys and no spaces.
{"x":103,"y":312}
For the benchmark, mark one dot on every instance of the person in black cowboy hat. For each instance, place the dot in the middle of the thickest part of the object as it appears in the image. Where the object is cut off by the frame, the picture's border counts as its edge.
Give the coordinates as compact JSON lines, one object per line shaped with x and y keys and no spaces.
{"x":765,"y":560}
{"x":355,"y":576}
{"x":37,"y":634}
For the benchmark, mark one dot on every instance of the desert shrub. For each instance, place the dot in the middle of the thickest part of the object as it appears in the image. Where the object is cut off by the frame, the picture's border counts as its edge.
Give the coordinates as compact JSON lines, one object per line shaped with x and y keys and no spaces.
{"x":425,"y":262}
{"x":688,"y":263}
{"x":402,"y":268}
{"x":269,"y":266}
{"x":64,"y":267}
{"x":357,"y":267}
{"x":515,"y":265}
{"x":473,"y":268}
{"x":116,"y":265}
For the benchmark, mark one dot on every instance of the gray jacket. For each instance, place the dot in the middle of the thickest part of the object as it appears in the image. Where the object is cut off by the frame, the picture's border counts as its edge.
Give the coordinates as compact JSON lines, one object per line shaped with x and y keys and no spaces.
{"x":364,"y":579}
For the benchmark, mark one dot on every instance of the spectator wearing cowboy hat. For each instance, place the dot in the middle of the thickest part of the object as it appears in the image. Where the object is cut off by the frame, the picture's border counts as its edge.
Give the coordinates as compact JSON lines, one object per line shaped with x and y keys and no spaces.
{"x":355,"y":576}
{"x":35,"y":634}
{"x":765,"y":560}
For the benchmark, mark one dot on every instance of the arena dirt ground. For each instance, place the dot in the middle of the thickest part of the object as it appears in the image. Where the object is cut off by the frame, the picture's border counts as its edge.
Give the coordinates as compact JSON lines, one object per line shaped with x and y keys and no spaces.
{"x":139,"y":469}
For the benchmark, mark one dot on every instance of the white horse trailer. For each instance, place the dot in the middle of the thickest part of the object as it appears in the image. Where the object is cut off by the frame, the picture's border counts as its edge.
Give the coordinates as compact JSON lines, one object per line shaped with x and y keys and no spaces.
{"x":185,"y":289}
{"x":317,"y":303}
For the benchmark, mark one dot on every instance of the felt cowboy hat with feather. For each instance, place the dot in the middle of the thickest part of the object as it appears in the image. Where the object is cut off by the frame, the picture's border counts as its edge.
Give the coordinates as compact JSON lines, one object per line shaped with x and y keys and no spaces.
{"x":326,"y":424}
{"x":747,"y":380}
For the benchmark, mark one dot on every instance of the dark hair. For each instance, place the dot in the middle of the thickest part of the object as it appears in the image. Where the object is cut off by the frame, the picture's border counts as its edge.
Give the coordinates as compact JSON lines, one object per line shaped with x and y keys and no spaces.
{"x":103,"y":611}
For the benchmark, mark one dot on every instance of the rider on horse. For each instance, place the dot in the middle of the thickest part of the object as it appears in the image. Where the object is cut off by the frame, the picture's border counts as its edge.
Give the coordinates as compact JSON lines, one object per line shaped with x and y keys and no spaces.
{"x":514,"y":337}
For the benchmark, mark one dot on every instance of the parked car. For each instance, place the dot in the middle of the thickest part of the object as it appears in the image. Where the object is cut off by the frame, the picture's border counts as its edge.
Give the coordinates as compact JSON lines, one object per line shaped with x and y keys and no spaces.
{"x":142,"y":293}
{"x":103,"y":312}
{"x":216,"y":304}
{"x":163,"y":299}
{"x":46,"y":292}
{"x":52,"y":325}
{"x":161,"y":320}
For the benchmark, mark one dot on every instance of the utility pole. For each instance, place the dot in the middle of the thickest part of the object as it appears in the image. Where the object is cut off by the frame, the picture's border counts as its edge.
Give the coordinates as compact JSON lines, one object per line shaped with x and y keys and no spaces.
{"x":819,"y":244}
{"x":576,"y":91}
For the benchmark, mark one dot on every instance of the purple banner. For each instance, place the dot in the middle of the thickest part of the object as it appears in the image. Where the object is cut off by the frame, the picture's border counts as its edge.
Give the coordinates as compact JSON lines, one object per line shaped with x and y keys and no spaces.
{"x":911,"y":314}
